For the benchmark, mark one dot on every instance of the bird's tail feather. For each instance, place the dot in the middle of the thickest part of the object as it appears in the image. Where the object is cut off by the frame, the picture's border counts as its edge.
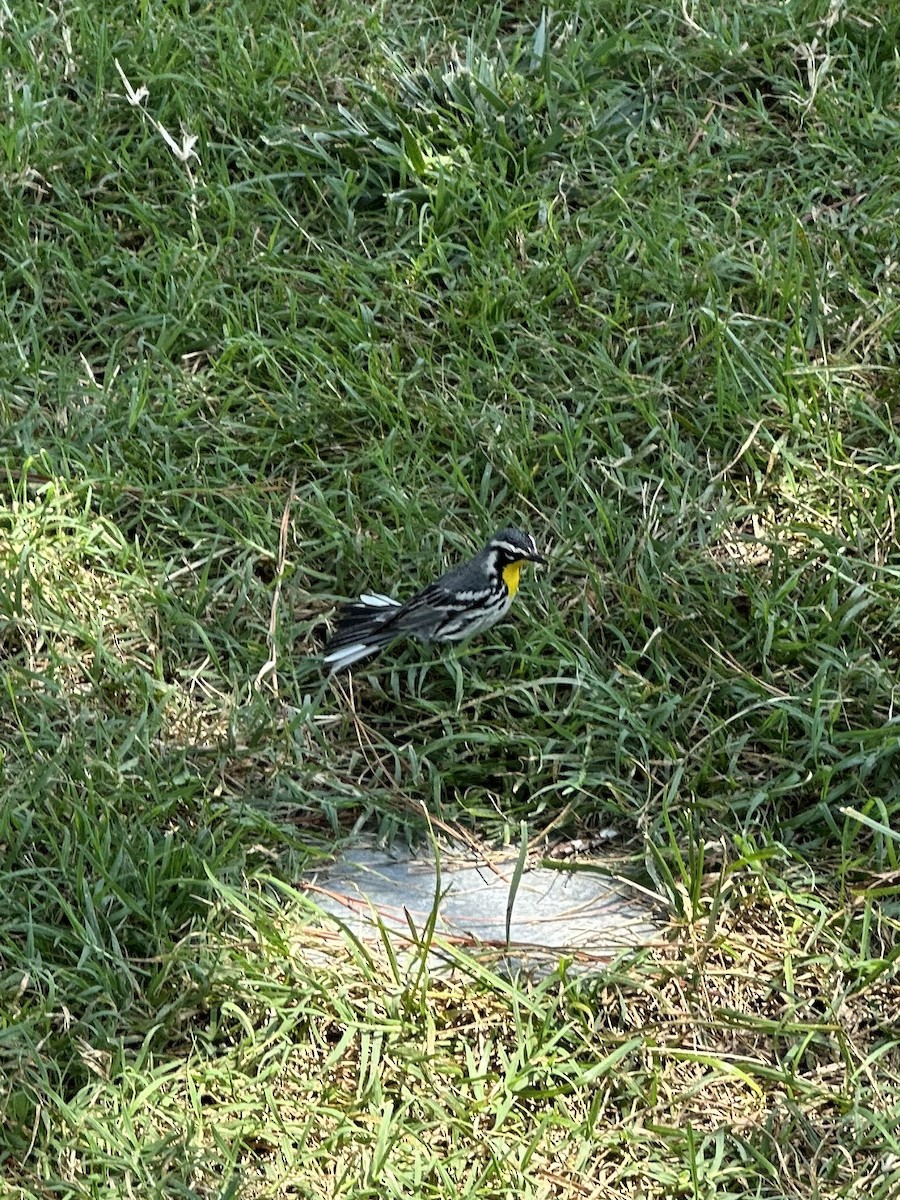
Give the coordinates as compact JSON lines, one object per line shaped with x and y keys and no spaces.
{"x":361,"y":631}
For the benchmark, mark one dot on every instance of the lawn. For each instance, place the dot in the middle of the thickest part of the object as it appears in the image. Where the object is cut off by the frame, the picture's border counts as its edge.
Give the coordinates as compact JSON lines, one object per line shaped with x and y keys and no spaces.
{"x":304,"y":300}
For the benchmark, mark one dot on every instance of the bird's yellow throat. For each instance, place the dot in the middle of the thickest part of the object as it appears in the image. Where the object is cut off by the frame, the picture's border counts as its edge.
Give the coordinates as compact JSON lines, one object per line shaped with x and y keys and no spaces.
{"x":511,"y":574}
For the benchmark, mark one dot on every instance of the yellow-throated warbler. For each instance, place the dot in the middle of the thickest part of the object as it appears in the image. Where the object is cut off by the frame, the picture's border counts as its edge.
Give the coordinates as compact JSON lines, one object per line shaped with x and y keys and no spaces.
{"x":467,"y":600}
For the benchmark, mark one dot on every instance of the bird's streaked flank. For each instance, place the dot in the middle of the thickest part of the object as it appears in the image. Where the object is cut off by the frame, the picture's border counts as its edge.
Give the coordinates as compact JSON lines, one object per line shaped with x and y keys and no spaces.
{"x":467,"y":600}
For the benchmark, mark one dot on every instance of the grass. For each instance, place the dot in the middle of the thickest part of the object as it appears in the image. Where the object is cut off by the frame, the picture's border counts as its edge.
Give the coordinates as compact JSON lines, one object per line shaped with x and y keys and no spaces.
{"x":625,"y":274}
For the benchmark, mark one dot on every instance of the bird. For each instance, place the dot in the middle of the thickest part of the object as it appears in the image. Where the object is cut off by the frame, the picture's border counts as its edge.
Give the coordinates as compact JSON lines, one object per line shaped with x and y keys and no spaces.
{"x":465,"y":601}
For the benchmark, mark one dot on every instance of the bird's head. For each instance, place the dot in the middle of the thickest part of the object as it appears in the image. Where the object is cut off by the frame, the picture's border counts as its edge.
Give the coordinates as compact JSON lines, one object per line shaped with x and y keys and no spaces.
{"x":511,"y":549}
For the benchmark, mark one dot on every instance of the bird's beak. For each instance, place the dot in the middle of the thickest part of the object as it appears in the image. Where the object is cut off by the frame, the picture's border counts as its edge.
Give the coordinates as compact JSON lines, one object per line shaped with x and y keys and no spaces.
{"x":537,"y":558}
